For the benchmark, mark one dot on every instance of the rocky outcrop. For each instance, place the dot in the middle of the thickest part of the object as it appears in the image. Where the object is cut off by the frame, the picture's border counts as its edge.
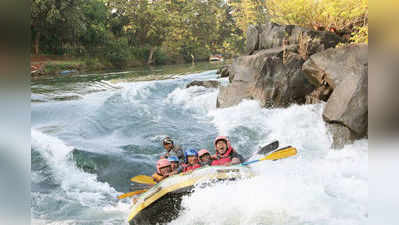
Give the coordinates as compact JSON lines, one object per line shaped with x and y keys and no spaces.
{"x":267,"y":76}
{"x":233,"y":94}
{"x":252,"y":39}
{"x":207,"y":84}
{"x":291,"y":64}
{"x":272,"y":35}
{"x":345,"y":72}
{"x":333,"y":65}
{"x":272,"y":72}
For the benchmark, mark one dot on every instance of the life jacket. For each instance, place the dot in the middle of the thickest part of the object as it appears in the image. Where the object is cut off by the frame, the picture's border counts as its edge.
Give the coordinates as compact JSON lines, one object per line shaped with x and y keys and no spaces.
{"x":191,"y":167}
{"x":221,"y":161}
{"x":206,"y":163}
{"x":157,"y":177}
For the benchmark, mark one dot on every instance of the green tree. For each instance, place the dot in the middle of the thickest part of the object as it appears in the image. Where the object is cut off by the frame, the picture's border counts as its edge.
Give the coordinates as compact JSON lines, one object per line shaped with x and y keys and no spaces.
{"x":148,"y":22}
{"x":57,"y":22}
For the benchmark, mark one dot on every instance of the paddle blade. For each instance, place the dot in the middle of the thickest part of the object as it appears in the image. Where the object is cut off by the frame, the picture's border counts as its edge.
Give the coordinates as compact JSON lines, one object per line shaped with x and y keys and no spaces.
{"x":281,"y":153}
{"x":143,"y":179}
{"x":268,"y":148}
{"x":131,"y":194}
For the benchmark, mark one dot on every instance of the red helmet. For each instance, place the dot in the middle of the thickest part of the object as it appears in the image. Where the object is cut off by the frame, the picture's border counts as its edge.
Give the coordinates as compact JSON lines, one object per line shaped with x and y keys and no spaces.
{"x":203,"y":152}
{"x":229,"y":148}
{"x":162,"y":163}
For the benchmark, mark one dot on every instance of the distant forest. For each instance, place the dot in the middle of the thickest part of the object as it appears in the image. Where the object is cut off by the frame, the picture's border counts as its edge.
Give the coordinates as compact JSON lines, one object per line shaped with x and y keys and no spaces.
{"x":176,"y":31}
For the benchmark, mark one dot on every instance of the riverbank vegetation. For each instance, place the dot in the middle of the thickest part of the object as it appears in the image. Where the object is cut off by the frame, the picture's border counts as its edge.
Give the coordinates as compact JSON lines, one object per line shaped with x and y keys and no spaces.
{"x":348,"y":18}
{"x":128,"y":33}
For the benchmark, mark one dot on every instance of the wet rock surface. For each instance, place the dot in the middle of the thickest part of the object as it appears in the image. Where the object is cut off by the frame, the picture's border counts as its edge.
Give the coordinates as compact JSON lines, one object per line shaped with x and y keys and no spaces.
{"x":207,"y":84}
{"x":288,"y":65}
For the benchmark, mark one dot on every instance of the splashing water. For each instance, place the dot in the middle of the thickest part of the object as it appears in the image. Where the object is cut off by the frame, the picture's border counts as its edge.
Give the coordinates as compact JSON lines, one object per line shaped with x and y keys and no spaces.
{"x":125,"y":125}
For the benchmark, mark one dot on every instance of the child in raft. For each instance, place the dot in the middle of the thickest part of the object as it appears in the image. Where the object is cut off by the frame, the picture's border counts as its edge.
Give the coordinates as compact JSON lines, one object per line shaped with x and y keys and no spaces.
{"x":205,"y":158}
{"x":176,"y":168}
{"x":164,"y":170}
{"x":191,"y":160}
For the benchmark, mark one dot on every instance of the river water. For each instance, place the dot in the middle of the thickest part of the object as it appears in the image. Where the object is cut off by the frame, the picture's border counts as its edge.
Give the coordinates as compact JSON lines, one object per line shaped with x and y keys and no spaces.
{"x":91,"y":133}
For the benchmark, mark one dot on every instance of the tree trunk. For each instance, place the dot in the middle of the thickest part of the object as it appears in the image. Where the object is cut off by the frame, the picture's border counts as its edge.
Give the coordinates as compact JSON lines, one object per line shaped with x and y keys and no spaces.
{"x":152,"y":50}
{"x":192,"y":59}
{"x":37,"y":41}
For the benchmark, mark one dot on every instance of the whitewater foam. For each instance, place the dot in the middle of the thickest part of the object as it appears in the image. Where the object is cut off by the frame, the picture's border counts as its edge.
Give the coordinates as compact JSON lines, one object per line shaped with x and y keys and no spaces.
{"x":330,"y":190}
{"x":197,"y":98}
{"x":318,"y":186}
{"x":76,"y":184}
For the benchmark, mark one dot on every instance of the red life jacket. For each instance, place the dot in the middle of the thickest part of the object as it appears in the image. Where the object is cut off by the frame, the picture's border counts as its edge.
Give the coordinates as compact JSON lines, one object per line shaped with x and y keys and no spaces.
{"x":191,"y":167}
{"x":221,"y":161}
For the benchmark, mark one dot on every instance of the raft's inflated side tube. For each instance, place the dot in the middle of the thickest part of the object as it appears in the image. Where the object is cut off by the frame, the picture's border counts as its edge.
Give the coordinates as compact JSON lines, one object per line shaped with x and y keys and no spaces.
{"x":162,"y":210}
{"x":161,"y":203}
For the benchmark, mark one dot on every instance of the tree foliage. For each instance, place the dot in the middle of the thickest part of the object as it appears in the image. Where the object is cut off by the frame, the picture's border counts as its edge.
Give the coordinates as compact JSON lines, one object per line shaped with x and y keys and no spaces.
{"x":333,"y":15}
{"x":170,"y":31}
{"x":184,"y":30}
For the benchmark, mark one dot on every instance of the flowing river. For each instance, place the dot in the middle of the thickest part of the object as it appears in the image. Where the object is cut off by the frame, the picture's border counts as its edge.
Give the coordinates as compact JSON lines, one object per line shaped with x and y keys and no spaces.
{"x":91,"y":133}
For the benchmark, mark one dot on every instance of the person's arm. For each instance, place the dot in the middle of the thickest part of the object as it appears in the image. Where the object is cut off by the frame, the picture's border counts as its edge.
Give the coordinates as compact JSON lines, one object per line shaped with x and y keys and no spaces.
{"x":237,"y":158}
{"x":235,"y":161}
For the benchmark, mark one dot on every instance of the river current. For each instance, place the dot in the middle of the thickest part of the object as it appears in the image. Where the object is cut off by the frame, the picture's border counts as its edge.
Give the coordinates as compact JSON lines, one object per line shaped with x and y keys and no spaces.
{"x":89,"y":136}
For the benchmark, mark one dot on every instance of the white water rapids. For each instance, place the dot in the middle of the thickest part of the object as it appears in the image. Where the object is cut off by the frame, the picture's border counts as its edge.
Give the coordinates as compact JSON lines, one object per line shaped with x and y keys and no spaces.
{"x":318,"y":186}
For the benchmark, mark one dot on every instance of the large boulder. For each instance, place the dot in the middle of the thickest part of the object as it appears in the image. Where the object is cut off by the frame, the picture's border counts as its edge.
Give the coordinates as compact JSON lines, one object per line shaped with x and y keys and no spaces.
{"x":333,"y":65}
{"x":344,"y":71}
{"x":348,"y":104}
{"x":341,"y":135}
{"x":268,"y":76}
{"x":282,"y":82}
{"x":233,"y":94}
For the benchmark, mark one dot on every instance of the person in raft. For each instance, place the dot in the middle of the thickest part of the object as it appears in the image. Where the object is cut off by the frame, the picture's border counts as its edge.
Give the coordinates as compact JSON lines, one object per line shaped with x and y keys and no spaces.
{"x":164,"y":169}
{"x":225,"y":154}
{"x":172,"y":149}
{"x":191,"y":160}
{"x":174,"y":161}
{"x":204,"y":157}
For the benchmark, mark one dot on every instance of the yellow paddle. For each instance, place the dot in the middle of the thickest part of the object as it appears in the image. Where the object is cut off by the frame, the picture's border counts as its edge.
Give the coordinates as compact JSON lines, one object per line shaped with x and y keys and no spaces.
{"x":281,"y":153}
{"x":143,"y":179}
{"x":277,"y":154}
{"x":131,"y":194}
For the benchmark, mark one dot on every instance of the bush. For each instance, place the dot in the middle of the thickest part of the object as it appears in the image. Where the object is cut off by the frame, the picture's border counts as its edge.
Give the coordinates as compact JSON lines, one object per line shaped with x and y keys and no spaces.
{"x":93,"y":63}
{"x":117,"y":53}
{"x":140,"y":54}
{"x":360,"y":35}
{"x":341,"y":16}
